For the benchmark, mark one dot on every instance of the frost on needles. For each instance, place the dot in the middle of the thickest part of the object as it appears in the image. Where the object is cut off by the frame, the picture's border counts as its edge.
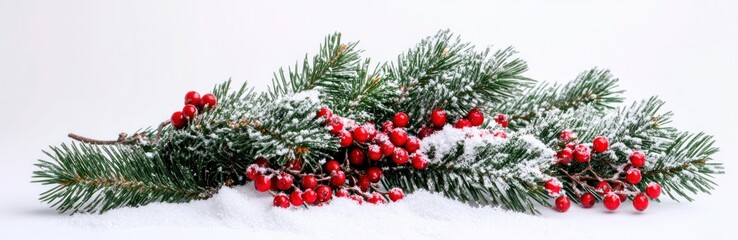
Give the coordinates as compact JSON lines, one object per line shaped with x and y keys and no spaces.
{"x":284,"y":132}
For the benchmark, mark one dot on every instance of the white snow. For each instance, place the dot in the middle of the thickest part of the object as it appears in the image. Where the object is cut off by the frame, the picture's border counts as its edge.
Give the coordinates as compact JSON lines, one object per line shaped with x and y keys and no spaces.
{"x":421,"y":215}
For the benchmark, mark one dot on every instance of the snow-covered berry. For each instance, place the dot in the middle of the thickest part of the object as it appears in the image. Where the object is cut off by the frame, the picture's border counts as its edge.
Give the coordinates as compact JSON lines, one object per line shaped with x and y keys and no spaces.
{"x":582,"y":153}
{"x":395,"y":194}
{"x":637,"y":159}
{"x":553,"y":186}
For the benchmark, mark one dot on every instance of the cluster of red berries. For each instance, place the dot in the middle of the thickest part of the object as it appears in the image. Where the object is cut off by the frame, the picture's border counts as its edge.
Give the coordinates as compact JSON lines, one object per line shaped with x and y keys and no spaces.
{"x":390,"y":142}
{"x":474,"y":118}
{"x":355,"y":171}
{"x":193,"y":104}
{"x":612,"y":195}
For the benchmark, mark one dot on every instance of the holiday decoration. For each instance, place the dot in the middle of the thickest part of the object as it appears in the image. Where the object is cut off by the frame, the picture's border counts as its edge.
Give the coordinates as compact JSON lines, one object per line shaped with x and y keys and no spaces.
{"x":334,"y":127}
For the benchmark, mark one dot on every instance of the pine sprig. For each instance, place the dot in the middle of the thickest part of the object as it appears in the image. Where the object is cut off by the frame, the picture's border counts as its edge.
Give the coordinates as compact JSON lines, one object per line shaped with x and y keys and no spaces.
{"x":686,"y":167}
{"x":100,"y":178}
{"x":443,"y":72}
{"x":596,"y":87}
{"x":472,"y":167}
{"x":331,"y":71}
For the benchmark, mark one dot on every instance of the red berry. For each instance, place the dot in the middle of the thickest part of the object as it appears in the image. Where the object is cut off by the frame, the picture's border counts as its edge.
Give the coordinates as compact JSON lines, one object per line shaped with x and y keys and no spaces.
{"x":208,"y":101}
{"x":462,"y":123}
{"x":604,"y":187}
{"x":587,"y":199}
{"x":342,"y":193}
{"x":356,"y":157}
{"x":309,"y":182}
{"x":653,"y":190}
{"x":325,"y":112}
{"x":582,"y":153}
{"x":502,"y":120}
{"x":420,"y":161}
{"x":399,"y":156}
{"x":189,"y":111}
{"x":263,"y":183}
{"x":570,"y":146}
{"x":395,"y":194}
{"x":475,"y":117}
{"x":374,"y":152}
{"x":374,"y":174}
{"x":611,"y":201}
{"x":338,"y":178}
{"x":637,"y":159}
{"x":332,"y":166}
{"x":178,"y":120}
{"x":345,"y":138}
{"x":252,"y":171}
{"x":363,"y":183}
{"x":425,"y":132}
{"x":400,"y":120}
{"x":376,"y":198}
{"x":565,"y":156}
{"x":324,"y":193}
{"x":360,"y":134}
{"x":567,"y":135}
{"x":336,"y":124}
{"x":295,"y":164}
{"x":282,"y":201}
{"x":553,"y":186}
{"x":296,"y":198}
{"x":600,"y":144}
{"x":381,"y":137}
{"x":438,"y":117}
{"x":398,"y":137}
{"x":388,"y":126}
{"x":261,"y":161}
{"x":412,"y":144}
{"x":359,"y":200}
{"x":309,"y":196}
{"x":633,"y":175}
{"x":387,"y":148}
{"x":563,"y":203}
{"x":192,"y":97}
{"x":640,"y":202}
{"x":284,"y":181}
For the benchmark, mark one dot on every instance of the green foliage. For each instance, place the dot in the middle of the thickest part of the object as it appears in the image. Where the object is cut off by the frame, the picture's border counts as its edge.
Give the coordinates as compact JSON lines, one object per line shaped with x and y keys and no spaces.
{"x":180,"y":165}
{"x":596,"y":88}
{"x":99,"y":178}
{"x":496,"y":172}
{"x":443,"y":72}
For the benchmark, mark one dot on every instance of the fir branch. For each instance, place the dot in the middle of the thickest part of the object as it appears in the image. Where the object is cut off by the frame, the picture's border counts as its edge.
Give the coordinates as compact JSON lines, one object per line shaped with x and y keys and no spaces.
{"x":686,"y":166}
{"x":681,"y":162}
{"x":596,"y":88}
{"x":100,"y":178}
{"x":442,"y":72}
{"x":333,"y":69}
{"x":478,"y":168}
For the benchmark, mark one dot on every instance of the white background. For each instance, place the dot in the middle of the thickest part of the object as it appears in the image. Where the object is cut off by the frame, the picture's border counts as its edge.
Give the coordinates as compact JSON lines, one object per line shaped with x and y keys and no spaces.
{"x":100,"y":67}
